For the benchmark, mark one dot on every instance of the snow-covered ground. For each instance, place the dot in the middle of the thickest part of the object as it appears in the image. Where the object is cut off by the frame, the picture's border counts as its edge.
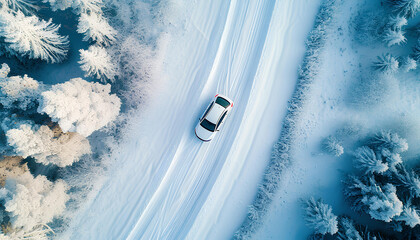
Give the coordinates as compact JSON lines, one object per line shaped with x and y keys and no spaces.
{"x":165,"y":183}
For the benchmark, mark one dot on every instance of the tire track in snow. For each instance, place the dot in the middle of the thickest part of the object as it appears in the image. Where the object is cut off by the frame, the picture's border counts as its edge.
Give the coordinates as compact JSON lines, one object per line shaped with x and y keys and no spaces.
{"x":164,"y":219}
{"x":164,"y":181}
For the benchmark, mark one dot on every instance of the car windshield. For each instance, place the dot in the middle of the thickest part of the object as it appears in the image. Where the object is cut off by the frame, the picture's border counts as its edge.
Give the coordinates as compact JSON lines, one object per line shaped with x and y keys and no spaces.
{"x":208,"y":125}
{"x":223,"y":102}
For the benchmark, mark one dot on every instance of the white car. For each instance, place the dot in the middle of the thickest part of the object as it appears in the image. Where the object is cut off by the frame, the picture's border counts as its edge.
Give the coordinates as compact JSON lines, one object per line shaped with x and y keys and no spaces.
{"x":213,"y":117}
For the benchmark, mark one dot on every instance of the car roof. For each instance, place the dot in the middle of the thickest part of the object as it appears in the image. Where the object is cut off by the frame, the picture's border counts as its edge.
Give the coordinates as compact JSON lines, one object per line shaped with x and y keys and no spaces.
{"x":215,"y":113}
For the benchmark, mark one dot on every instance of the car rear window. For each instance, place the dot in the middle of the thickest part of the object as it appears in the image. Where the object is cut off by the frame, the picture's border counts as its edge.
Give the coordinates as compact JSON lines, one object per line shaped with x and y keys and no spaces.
{"x":223,"y":102}
{"x":208,"y":125}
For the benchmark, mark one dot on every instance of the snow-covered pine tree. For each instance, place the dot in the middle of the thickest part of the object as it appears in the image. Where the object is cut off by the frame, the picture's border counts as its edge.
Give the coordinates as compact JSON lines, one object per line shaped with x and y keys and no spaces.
{"x":26,"y":6}
{"x":30,"y":202}
{"x":90,"y":109}
{"x":409,"y":181}
{"x":32,"y":37}
{"x":389,"y":140}
{"x":397,"y":22}
{"x":16,"y":91}
{"x":407,"y":8}
{"x":409,"y":216}
{"x":96,"y":62}
{"x":408,"y":64}
{"x":46,"y":147}
{"x":333,"y":146}
{"x":319,"y":217}
{"x":386,"y":63}
{"x":347,"y":231}
{"x":366,"y":160}
{"x":96,"y":28}
{"x":392,"y":159}
{"x":88,"y":6}
{"x":366,"y":195}
{"x":394,"y":37}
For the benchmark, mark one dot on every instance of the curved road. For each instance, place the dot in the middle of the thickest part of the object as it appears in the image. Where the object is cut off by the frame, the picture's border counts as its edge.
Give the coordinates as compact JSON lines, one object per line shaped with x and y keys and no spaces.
{"x":168,"y":184}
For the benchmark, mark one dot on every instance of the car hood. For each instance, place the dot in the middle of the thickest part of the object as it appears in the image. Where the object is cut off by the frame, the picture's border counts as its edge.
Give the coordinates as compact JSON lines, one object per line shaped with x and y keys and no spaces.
{"x":203,"y":133}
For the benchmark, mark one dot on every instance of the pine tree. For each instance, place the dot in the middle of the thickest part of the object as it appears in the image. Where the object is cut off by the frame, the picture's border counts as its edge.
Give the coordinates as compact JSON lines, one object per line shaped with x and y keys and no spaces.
{"x":96,"y":62}
{"x":409,"y":216}
{"x":347,"y":231}
{"x":409,"y":182}
{"x":333,"y":146}
{"x":26,"y":6}
{"x":392,"y":159}
{"x":394,"y":37}
{"x":408,"y":8}
{"x":386,"y":63}
{"x":319,"y":216}
{"x":32,"y":37}
{"x":92,"y":108}
{"x":366,"y":195}
{"x":397,"y":22}
{"x":391,"y":141}
{"x":18,"y":92}
{"x":96,"y":28}
{"x":367,"y":161}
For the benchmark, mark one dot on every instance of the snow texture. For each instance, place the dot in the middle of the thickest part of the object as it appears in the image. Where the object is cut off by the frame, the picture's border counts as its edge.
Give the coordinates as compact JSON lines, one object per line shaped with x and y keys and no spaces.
{"x":32,"y":37}
{"x":30,"y":202}
{"x":80,"y":106}
{"x":96,"y":62}
{"x":41,"y":144}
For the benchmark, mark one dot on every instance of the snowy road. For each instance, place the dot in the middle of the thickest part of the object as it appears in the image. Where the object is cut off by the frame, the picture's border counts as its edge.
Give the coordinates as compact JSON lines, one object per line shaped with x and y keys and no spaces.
{"x":170,"y":185}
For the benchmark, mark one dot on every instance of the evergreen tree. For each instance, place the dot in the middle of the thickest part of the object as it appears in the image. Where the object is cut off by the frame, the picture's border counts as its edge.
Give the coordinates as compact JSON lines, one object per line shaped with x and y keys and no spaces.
{"x":319,"y":216}
{"x":408,"y":8}
{"x":397,"y":22}
{"x":409,"y":216}
{"x":394,"y":37}
{"x":96,"y":28}
{"x":391,"y":141}
{"x":386,"y":63}
{"x":333,"y":146}
{"x":367,"y":161}
{"x":347,"y":231}
{"x":366,"y":195}
{"x":32,"y":37}
{"x":409,"y":182}
{"x":96,"y":62}
{"x":26,"y":6}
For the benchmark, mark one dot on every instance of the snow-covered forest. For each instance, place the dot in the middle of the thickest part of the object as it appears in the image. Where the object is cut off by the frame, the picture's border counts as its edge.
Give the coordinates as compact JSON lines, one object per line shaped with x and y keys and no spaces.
{"x":355,"y":152}
{"x":64,"y":97}
{"x":99,"y":100}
